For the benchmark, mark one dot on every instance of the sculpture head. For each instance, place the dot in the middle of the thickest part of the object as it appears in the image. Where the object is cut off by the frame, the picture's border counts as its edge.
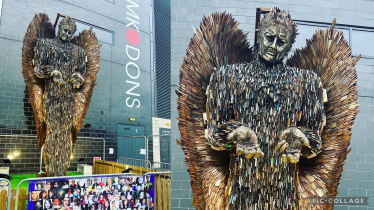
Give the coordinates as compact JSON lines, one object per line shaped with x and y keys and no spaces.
{"x":276,"y":36}
{"x":66,"y":29}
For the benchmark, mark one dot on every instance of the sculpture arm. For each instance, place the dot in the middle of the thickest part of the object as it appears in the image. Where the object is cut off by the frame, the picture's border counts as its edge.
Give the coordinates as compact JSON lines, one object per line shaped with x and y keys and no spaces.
{"x":235,"y":135}
{"x":228,"y":134}
{"x":42,"y":69}
{"x":217,"y":136}
{"x":78,"y":76}
{"x":315,"y":143}
{"x":304,"y":139}
{"x":298,"y":141}
{"x":315,"y":119}
{"x":220,"y":117}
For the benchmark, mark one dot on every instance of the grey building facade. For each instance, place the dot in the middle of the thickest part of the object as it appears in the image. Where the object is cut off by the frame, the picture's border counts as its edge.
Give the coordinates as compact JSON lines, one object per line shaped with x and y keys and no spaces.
{"x":355,"y":18}
{"x":123,"y":89}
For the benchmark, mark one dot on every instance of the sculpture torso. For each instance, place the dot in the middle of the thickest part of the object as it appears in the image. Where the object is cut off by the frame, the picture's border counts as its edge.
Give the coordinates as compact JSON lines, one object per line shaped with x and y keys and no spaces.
{"x":267,"y":99}
{"x":65,"y":57}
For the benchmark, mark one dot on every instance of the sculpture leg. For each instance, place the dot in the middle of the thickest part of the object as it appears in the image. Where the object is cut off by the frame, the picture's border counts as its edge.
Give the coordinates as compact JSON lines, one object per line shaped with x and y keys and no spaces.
{"x":58,"y":149}
{"x":59,"y":118}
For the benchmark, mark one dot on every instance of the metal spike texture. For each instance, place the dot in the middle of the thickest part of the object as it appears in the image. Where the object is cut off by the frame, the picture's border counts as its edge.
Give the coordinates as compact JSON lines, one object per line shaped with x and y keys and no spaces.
{"x":329,"y":55}
{"x":59,"y":105}
{"x":216,"y":97}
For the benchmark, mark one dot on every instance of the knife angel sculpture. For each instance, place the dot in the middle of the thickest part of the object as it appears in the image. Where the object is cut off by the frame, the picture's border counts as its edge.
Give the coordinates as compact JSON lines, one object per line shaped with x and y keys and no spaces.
{"x":60,"y":75}
{"x":258,"y":133}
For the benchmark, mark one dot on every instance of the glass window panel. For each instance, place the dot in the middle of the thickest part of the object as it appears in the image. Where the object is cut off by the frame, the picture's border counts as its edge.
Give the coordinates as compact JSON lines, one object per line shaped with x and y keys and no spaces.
{"x":362,"y":42}
{"x":102,"y":35}
{"x":345,"y":33}
{"x":305,"y":32}
{"x":81,"y":27}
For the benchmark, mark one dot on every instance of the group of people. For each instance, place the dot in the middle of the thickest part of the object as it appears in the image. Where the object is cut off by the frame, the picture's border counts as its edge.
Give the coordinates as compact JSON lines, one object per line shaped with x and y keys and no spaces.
{"x":108,"y":193}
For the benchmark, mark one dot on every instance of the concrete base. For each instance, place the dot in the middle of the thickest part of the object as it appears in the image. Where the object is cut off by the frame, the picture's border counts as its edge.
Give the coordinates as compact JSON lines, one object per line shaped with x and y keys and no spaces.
{"x":84,"y":169}
{"x":4,"y":170}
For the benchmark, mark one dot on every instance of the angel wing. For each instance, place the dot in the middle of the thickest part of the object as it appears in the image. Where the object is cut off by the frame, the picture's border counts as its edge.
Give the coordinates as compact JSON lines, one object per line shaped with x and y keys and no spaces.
{"x":330,"y":56}
{"x":88,"y":41}
{"x":216,"y":43}
{"x":40,"y":27}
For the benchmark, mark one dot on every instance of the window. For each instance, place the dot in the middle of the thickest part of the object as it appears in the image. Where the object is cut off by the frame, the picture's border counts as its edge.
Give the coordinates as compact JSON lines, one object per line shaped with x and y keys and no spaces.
{"x":359,"y":38}
{"x":306,"y":31}
{"x":111,"y":1}
{"x":103,"y":35}
{"x":362,"y":42}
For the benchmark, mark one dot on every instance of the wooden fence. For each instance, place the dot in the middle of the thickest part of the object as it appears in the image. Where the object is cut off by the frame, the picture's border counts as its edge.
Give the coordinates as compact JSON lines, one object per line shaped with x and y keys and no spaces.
{"x":22,"y":197}
{"x":162,"y":181}
{"x":108,"y":167}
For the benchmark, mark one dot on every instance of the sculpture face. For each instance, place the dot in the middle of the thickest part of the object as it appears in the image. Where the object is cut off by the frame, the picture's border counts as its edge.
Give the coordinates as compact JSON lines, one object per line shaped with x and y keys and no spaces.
{"x":274,"y":43}
{"x":66,"y":31}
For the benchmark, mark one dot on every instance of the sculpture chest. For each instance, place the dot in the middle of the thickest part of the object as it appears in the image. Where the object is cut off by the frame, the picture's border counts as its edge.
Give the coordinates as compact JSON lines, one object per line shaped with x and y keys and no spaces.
{"x":64,"y":57}
{"x":268,"y":100}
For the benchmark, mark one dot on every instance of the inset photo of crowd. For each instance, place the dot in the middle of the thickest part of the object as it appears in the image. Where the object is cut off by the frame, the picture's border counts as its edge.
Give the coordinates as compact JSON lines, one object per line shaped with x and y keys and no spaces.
{"x":101,"y":193}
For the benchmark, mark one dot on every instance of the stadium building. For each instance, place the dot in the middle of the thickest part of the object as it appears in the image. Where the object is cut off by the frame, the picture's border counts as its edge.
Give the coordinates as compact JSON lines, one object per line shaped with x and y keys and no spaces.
{"x":132,"y":95}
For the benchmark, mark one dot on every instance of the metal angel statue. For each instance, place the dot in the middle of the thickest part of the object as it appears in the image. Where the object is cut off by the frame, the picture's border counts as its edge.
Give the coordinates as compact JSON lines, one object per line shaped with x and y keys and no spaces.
{"x":258,"y":133}
{"x":60,"y":74}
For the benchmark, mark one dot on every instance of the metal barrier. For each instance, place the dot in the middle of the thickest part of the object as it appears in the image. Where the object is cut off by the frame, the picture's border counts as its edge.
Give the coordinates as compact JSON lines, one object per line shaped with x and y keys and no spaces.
{"x":135,"y":162}
{"x":86,"y":138}
{"x":166,"y":190}
{"x":65,"y":177}
{"x":41,"y":151}
{"x":161,"y":166}
{"x":9,"y":192}
{"x":145,"y":142}
{"x":145,"y":163}
{"x":141,"y":162}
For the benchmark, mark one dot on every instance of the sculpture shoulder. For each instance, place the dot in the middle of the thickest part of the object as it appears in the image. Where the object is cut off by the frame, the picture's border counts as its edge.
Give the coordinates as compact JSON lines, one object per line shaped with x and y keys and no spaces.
{"x":309,"y":82}
{"x":79,"y":49}
{"x":304,"y":74}
{"x":44,"y":42}
{"x":232,"y":68}
{"x":230,"y":71}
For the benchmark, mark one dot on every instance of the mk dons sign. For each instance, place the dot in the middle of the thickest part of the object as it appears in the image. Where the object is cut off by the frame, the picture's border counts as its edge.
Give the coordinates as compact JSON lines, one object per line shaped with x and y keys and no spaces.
{"x":133,"y":53}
